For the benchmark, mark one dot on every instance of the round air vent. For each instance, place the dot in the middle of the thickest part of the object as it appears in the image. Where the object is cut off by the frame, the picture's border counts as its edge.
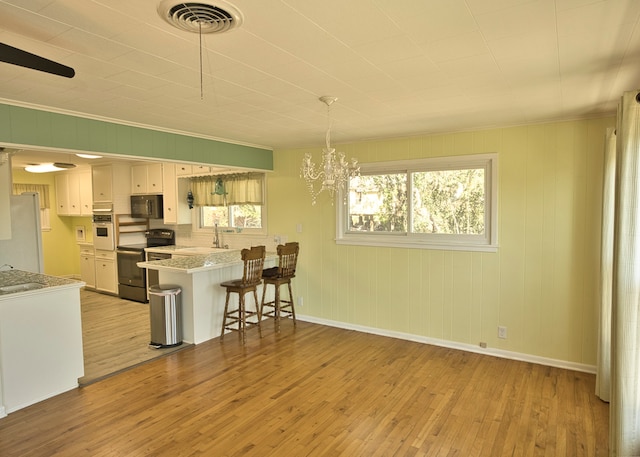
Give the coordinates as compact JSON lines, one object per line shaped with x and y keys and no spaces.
{"x":200,"y":17}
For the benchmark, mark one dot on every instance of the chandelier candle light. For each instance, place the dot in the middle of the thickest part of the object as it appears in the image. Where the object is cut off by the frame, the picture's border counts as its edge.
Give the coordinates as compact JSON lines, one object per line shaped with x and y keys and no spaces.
{"x":334,"y":171}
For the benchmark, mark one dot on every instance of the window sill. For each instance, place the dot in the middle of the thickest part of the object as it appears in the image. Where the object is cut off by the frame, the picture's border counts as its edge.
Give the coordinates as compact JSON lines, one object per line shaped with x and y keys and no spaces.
{"x":403,"y":242}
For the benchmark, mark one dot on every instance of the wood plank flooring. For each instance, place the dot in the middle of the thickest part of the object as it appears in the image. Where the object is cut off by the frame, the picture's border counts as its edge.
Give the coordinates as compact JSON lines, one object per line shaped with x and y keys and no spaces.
{"x":318,"y":391}
{"x":115,"y":335}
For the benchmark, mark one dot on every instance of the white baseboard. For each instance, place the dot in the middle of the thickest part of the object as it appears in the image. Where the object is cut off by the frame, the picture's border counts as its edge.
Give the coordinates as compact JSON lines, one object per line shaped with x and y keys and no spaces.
{"x":454,"y":345}
{"x":3,"y":413}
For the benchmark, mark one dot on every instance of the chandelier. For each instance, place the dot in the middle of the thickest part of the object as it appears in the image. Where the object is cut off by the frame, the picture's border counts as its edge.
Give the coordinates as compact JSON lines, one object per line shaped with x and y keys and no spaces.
{"x":334,"y":171}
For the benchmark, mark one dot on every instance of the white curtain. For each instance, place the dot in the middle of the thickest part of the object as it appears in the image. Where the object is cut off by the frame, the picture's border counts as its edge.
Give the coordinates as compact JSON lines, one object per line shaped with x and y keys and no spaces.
{"x":603,"y":377}
{"x":231,"y":189}
{"x":624,"y":437}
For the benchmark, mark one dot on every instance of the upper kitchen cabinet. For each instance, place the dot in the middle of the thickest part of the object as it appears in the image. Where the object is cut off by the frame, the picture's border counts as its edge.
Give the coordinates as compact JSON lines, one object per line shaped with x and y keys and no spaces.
{"x":175,"y":207}
{"x":111,"y":184}
{"x":73,"y":193}
{"x":102,"y":184}
{"x":146,"y":178}
{"x":189,"y":170}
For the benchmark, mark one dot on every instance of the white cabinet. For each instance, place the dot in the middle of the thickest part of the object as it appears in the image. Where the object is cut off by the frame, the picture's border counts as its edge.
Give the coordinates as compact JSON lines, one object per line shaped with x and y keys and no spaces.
{"x":88,"y":266}
{"x":174,"y":200}
{"x":201,"y":169}
{"x":62,"y":195}
{"x":183,"y":169}
{"x":73,"y":193}
{"x":86,"y":197}
{"x":146,"y":178}
{"x":102,"y":184}
{"x":112,"y":184}
{"x":106,"y":273}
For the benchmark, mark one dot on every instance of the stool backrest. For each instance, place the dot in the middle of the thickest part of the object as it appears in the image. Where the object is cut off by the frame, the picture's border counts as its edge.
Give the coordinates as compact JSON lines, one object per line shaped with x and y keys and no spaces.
{"x":288,"y":257}
{"x":253,"y":263}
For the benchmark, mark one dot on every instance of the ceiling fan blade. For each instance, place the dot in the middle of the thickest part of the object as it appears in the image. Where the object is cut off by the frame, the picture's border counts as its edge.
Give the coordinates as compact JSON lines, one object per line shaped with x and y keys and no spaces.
{"x":16,"y":56}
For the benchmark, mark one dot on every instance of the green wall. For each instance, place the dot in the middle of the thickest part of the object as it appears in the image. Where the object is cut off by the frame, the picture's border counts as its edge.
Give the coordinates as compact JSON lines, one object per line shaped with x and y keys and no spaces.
{"x":35,"y":128}
{"x":541,"y":284}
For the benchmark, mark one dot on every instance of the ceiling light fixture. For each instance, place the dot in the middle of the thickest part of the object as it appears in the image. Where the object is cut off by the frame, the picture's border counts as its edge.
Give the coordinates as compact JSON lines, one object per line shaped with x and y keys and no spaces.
{"x":89,"y":156}
{"x":334,"y":171}
{"x":48,"y":167}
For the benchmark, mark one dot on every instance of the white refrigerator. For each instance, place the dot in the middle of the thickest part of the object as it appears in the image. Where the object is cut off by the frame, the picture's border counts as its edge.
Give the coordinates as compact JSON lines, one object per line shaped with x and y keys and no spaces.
{"x":24,"y":250}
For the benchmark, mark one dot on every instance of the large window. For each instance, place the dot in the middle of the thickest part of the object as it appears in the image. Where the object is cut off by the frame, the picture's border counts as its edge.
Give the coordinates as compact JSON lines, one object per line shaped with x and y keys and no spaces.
{"x":441,"y":203}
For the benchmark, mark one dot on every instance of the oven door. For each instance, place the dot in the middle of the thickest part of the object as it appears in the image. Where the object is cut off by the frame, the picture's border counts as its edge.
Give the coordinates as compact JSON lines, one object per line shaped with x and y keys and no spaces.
{"x":103,"y":236}
{"x":130,"y":274}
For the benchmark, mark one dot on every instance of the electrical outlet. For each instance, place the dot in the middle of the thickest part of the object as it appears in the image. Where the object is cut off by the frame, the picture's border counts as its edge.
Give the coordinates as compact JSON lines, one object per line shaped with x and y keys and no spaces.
{"x":502,"y":332}
{"x":483,"y":344}
{"x":300,"y":301}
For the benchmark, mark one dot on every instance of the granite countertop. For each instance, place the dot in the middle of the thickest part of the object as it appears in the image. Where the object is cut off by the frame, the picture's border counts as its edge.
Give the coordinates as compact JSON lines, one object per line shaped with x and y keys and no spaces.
{"x":202,"y":262}
{"x":10,"y":278}
{"x":185,"y":250}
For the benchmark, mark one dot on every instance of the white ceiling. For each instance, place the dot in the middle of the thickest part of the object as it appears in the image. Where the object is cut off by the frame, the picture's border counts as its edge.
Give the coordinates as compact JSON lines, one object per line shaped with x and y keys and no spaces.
{"x":399,"y":67}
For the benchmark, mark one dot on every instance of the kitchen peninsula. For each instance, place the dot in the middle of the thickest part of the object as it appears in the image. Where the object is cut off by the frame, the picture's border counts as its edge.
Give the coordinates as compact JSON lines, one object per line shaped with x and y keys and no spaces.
{"x":199,"y":272}
{"x":40,"y":338}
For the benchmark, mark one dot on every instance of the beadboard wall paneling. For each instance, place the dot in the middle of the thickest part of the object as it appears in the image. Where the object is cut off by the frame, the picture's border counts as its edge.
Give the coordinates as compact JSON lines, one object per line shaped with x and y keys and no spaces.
{"x":541,"y":284}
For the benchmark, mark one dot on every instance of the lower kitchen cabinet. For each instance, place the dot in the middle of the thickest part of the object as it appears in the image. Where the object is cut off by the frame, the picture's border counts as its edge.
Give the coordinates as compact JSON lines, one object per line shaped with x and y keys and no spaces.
{"x":106,"y":273}
{"x":88,"y":267}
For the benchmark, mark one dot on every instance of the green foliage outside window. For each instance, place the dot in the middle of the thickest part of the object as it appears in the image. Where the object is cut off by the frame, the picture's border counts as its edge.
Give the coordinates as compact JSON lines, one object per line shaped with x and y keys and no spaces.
{"x":444,"y":202}
{"x":236,"y":216}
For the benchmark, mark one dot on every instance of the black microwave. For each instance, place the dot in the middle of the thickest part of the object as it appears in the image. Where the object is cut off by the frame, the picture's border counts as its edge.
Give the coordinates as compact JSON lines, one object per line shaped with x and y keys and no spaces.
{"x":147,"y":206}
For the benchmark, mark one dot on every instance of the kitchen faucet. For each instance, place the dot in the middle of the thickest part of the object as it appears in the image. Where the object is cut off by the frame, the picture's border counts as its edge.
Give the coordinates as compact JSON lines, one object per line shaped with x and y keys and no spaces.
{"x":216,"y":238}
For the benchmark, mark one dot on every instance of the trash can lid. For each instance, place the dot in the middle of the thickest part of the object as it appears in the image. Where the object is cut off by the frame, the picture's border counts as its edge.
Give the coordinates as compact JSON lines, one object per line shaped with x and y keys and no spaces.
{"x":165,"y":289}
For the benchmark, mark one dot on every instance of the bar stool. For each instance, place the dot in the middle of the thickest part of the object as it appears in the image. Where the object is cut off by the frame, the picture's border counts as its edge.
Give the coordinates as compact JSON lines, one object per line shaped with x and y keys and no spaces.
{"x":278,"y":276}
{"x":251,"y":277}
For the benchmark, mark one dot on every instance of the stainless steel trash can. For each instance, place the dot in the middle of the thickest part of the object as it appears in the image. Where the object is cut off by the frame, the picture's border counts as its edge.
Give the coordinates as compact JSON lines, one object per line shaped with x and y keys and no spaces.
{"x":165,"y":314}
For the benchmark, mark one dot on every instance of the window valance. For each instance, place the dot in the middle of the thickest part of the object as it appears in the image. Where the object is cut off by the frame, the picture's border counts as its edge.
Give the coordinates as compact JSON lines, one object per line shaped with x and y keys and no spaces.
{"x":229,"y":189}
{"x":41,"y":189}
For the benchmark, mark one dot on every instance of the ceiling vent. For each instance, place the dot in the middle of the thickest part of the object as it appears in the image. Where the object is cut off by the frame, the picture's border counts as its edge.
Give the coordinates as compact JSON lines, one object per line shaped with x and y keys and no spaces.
{"x":214,"y":17}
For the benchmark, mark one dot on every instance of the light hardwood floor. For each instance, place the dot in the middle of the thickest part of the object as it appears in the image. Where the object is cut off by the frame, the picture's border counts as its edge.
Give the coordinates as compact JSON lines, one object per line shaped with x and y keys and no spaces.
{"x":115,"y":335}
{"x":318,"y":391}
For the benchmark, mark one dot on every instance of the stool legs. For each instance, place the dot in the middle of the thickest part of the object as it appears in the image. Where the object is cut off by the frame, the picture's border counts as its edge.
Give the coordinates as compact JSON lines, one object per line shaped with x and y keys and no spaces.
{"x":277,"y":303}
{"x":240,"y":315}
{"x":293,"y":309}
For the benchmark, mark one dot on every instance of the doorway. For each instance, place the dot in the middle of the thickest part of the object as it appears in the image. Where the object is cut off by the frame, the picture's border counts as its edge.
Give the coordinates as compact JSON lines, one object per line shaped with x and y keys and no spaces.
{"x":115,"y":335}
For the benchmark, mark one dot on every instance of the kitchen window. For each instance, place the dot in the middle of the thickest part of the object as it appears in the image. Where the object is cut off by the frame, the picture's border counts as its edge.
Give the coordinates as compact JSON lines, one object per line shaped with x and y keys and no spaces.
{"x":234,"y":202}
{"x":434,"y":203}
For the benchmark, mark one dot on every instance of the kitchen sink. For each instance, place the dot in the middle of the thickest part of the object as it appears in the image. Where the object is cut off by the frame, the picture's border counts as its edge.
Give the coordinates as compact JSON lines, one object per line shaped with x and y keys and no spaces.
{"x":21,"y":287}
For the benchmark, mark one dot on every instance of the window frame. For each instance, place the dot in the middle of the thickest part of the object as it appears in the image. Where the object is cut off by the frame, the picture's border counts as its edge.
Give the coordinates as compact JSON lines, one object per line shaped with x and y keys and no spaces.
{"x":485,"y":243}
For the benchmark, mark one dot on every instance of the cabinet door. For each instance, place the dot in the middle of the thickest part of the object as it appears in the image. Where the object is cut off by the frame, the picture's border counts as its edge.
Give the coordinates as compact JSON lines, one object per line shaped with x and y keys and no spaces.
{"x":169,"y":194}
{"x":138,"y":179}
{"x":86,"y":200}
{"x":102,"y":183}
{"x":183,"y":169}
{"x":154,"y":178}
{"x":174,"y":200}
{"x":88,"y":269}
{"x":201,"y":169}
{"x":62,"y":194}
{"x":74,"y":194}
{"x":106,"y":279}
